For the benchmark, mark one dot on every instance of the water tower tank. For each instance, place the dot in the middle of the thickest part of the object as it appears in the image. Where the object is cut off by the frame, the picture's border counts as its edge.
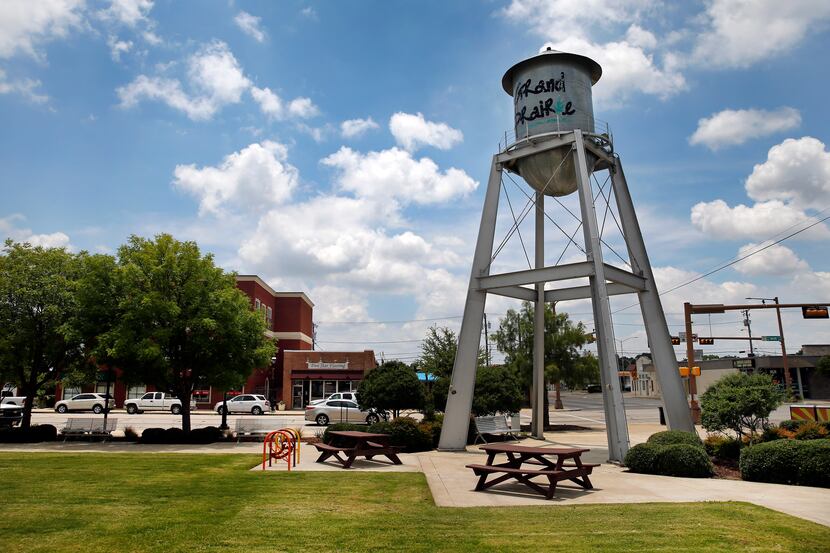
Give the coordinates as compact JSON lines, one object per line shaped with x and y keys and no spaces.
{"x":551,"y":93}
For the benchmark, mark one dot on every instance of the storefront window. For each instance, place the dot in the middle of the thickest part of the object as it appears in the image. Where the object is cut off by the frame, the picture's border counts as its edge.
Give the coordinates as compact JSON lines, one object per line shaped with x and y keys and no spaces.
{"x":135,"y":392}
{"x":317,"y":389}
{"x":69,"y":392}
{"x":329,"y":387}
{"x":201,"y":396}
{"x":344,"y":386}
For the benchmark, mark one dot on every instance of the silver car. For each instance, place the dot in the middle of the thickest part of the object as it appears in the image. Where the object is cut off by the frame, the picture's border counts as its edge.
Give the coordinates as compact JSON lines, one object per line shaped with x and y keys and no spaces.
{"x":254,"y":404}
{"x":339,"y":410}
{"x":84,"y":402}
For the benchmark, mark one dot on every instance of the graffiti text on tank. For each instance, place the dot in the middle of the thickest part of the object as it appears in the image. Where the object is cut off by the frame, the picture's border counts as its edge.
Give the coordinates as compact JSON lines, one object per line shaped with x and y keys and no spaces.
{"x":544,"y":109}
{"x":551,"y":85}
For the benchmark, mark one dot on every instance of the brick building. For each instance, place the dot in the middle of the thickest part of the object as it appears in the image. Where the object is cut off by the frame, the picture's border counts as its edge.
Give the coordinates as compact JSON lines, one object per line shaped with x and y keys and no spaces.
{"x":296,"y":375}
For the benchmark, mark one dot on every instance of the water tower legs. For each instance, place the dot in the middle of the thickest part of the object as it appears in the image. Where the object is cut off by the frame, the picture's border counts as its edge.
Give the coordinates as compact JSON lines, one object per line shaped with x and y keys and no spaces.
{"x":460,"y":396}
{"x":615,"y":424}
{"x":537,"y":425}
{"x":663,"y":357}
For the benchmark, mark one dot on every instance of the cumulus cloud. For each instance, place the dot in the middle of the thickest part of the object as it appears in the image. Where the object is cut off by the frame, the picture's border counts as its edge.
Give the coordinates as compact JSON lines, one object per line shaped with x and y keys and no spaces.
{"x":214,"y":76}
{"x":26,"y":25}
{"x":774,"y":260}
{"x":274,"y":108}
{"x":796,"y":171}
{"x":9,"y":229}
{"x":761,"y":220}
{"x":303,"y":108}
{"x":394,"y":173}
{"x":353,"y":128}
{"x":127,"y":12}
{"x":253,"y":179}
{"x":118,"y":47}
{"x":413,"y":131}
{"x":740,"y":33}
{"x":250,"y":25}
{"x":732,"y":127}
{"x":700,"y":291}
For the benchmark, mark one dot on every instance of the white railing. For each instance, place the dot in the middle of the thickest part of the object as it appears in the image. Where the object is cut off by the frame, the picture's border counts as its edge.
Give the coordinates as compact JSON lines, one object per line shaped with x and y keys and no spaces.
{"x":601,"y":131}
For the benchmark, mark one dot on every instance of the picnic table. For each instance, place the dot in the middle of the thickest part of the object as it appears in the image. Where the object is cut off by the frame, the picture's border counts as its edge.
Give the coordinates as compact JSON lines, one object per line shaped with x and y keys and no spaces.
{"x":358,"y":444}
{"x":524,"y":463}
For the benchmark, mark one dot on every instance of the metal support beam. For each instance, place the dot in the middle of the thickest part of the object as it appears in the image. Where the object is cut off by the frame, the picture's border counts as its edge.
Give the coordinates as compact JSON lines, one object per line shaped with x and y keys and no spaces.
{"x":537,"y":426}
{"x":517,"y":292}
{"x":615,"y":422}
{"x":460,"y":397}
{"x":615,"y":274}
{"x":657,"y":332}
{"x":532,"y":276}
{"x":584,"y":292}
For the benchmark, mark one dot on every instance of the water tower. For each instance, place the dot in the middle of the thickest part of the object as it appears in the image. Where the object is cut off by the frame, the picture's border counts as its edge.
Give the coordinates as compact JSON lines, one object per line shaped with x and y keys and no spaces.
{"x":556,"y":150}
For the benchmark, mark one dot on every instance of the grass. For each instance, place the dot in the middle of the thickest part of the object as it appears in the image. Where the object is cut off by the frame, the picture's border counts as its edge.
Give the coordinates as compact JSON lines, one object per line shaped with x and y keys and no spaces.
{"x":177,"y":502}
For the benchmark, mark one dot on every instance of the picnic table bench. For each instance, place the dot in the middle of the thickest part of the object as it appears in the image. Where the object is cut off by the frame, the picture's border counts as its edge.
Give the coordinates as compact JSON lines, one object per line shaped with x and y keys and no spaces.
{"x":494,"y":425}
{"x":89,"y":427}
{"x":359,"y":444}
{"x":525,"y":463}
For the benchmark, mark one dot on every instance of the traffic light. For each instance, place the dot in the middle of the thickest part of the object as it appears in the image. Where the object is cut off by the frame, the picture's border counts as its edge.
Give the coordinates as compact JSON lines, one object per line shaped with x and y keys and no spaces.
{"x":815,"y":312}
{"x":706,"y":341}
{"x":675,"y":340}
{"x":684,"y":371}
{"x":695,"y":371}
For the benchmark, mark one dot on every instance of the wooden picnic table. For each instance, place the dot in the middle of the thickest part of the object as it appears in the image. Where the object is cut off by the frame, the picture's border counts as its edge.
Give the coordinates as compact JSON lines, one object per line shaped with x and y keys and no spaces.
{"x":524,"y":463}
{"x":358,"y":444}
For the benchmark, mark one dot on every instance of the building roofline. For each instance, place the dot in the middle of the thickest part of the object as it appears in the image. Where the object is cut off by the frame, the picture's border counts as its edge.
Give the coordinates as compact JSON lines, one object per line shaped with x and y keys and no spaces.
{"x":258,"y":280}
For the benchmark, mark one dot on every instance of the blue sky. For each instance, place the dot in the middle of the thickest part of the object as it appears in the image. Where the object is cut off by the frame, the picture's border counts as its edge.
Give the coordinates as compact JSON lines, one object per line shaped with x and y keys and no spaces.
{"x":342,"y":148}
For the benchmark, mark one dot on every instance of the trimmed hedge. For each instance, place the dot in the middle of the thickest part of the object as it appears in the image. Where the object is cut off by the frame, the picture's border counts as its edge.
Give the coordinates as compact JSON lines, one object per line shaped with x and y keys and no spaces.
{"x":806,"y":463}
{"x":671,"y":437}
{"x":669,"y":460}
{"x":206,"y":435}
{"x":407,"y":433}
{"x":34,"y":434}
{"x":642,"y":458}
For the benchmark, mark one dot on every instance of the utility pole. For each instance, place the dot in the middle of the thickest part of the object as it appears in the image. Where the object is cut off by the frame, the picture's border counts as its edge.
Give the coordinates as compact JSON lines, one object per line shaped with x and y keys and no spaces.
{"x":690,"y":361}
{"x":784,"y":361}
{"x":748,"y":325}
{"x":486,"y":343}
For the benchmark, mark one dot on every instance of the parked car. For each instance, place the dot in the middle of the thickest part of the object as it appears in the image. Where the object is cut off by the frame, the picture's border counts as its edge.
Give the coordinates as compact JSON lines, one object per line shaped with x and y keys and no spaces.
{"x":8,"y":395}
{"x":339,"y":410}
{"x":85,"y":402}
{"x":593,"y":388}
{"x":349,"y":396}
{"x":154,"y":401}
{"x":254,"y":404}
{"x":10,"y":415}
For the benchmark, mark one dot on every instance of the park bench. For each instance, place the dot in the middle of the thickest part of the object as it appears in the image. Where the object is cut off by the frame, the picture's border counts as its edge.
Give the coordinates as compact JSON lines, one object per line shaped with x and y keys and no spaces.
{"x":88,"y":427}
{"x":252,"y":428}
{"x":493,"y":425}
{"x":327,"y":451}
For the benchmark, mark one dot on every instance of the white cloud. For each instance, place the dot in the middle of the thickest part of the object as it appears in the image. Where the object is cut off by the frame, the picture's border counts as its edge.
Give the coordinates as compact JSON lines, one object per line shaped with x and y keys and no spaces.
{"x":775,"y":260}
{"x":269,"y":102}
{"x":250,"y":25}
{"x":128,"y":12}
{"x":214,"y":76}
{"x":28,"y":88}
{"x":309,"y":12}
{"x":118,"y":47}
{"x":9,"y":229}
{"x":353,"y":128}
{"x":554,"y":19}
{"x":25,"y":25}
{"x":254,"y":179}
{"x":759,"y":221}
{"x":796,"y":171}
{"x":743,"y":32}
{"x":412,"y":131}
{"x":640,"y":38}
{"x":318,"y":134}
{"x":700,"y":291}
{"x":303,"y":108}
{"x":394,"y":173}
{"x":732,"y":127}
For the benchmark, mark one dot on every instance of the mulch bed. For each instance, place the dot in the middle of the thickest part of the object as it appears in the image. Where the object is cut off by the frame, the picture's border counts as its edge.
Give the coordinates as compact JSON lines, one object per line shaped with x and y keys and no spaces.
{"x":726,"y":470}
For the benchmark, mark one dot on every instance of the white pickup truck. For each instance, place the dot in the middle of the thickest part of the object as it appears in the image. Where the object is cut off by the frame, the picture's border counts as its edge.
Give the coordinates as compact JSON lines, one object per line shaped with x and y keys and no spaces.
{"x":7,"y":396}
{"x":154,"y":401}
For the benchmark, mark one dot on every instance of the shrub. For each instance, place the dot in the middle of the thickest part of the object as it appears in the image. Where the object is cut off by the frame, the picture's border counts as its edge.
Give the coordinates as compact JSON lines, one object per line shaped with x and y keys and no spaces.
{"x":671,"y":437}
{"x":34,"y":434}
{"x":811,"y":430}
{"x":130,"y":434}
{"x":152,"y":436}
{"x":723,"y":447}
{"x":790,"y":425}
{"x":433,"y":427}
{"x":642,"y":458}
{"x":775,"y":462}
{"x":684,"y":460}
{"x":740,"y":403}
{"x":407,"y":433}
{"x":815,"y":463}
{"x":206,"y":435}
{"x":772,"y":433}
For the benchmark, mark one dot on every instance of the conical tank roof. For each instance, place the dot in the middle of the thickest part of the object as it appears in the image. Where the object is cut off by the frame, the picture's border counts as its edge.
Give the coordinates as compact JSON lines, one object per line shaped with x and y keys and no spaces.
{"x":593,"y":67}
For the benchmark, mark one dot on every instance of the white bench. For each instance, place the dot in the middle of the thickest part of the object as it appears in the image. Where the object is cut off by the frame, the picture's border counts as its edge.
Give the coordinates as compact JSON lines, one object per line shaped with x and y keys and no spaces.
{"x":494,"y":425}
{"x":89,"y":427}
{"x":248,"y":427}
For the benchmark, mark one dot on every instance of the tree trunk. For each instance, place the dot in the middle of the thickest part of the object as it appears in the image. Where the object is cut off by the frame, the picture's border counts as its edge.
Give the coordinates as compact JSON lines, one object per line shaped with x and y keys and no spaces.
{"x":28,"y":389}
{"x":558,"y":402}
{"x":184,"y":396}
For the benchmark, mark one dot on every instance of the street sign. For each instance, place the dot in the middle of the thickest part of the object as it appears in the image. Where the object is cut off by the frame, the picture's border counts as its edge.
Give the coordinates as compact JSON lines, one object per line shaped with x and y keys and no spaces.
{"x":772,"y":338}
{"x":743,"y":363}
{"x":698,"y":354}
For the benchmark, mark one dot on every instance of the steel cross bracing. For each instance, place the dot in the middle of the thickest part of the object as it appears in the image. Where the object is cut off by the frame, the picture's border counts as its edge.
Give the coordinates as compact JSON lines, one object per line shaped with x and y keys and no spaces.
{"x":604,"y":280}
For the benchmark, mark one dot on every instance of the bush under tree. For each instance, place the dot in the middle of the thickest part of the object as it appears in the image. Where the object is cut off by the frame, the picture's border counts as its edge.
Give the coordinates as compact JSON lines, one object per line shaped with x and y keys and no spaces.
{"x":740,"y":403}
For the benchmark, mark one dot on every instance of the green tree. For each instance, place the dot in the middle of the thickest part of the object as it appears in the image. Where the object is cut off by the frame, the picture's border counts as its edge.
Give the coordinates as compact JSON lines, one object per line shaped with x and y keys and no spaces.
{"x":563,"y":340}
{"x":392,"y":386}
{"x":438,"y":351}
{"x":175,"y":321}
{"x":740,"y":403}
{"x":497,"y":391}
{"x":38,"y":307}
{"x":823,"y":365}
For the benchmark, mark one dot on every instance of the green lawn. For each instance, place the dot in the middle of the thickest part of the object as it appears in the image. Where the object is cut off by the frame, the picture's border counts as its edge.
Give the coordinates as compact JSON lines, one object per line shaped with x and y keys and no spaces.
{"x":144,"y":502}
